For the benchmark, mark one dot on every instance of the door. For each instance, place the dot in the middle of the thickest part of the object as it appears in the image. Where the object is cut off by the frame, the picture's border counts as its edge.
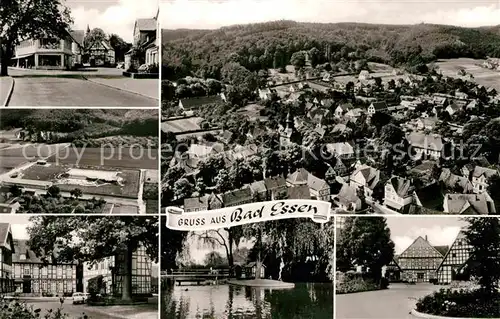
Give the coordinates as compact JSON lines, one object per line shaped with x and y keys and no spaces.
{"x":27,"y":284}
{"x":420,"y":277}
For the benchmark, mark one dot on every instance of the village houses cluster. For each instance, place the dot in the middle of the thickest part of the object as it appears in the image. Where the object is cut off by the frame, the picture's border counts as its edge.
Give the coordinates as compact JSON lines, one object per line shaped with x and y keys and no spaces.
{"x":335,"y":105}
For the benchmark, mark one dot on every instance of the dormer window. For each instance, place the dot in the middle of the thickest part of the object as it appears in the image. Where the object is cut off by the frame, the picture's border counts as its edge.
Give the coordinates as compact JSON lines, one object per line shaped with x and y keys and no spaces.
{"x":22,"y":257}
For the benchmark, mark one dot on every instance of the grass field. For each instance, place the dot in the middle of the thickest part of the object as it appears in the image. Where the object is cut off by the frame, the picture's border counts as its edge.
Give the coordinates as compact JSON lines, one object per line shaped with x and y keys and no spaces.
{"x":31,"y":152}
{"x":43,"y":173}
{"x":125,"y":209}
{"x":482,"y":76}
{"x":182,"y":125}
{"x":125,"y":157}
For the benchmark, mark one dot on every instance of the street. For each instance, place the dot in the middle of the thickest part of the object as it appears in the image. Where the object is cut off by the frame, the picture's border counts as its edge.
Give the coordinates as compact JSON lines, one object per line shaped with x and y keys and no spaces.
{"x":67,"y":88}
{"x":147,"y":311}
{"x":395,"y":302}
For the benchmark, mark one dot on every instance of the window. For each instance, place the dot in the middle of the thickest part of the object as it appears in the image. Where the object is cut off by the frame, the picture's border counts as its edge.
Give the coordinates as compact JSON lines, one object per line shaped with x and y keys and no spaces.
{"x":22,"y":257}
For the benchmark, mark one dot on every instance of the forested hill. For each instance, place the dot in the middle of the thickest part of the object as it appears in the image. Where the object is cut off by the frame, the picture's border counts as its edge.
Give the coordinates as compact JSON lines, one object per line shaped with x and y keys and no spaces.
{"x":271,"y":44}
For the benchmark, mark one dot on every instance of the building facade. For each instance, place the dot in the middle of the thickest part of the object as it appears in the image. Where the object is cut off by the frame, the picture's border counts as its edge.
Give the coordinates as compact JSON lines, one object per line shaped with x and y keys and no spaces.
{"x":419,"y":262}
{"x":112,"y":270}
{"x":34,"y":278}
{"x":6,"y":251}
{"x":454,"y":265}
{"x":46,"y":53}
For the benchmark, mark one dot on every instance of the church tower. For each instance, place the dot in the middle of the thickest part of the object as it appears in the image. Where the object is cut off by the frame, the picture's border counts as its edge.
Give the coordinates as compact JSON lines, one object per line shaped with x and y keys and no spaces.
{"x":289,"y":134}
{"x":87,"y":31}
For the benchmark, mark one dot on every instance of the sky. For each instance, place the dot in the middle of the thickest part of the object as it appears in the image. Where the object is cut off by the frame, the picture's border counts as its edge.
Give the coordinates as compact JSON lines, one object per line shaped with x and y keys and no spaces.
{"x":18,"y":224}
{"x":212,"y":14}
{"x":113,"y":16}
{"x":440,"y":231}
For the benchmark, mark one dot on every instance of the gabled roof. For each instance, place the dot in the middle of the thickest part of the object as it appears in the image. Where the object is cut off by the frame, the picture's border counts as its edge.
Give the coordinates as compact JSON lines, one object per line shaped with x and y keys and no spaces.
{"x":348,"y":195}
{"x":452,"y":180}
{"x":426,"y":141}
{"x":299,"y":192}
{"x":418,"y":247}
{"x":236,"y":196}
{"x":442,"y":249}
{"x":487,"y":172}
{"x":194,"y":102}
{"x":4,"y":233}
{"x":146,"y":24}
{"x":460,"y":237}
{"x":370,"y":174}
{"x":381,"y":105}
{"x":302,"y":176}
{"x":346,"y":107}
{"x":402,"y":186}
{"x":467,"y":204}
{"x":78,"y":36}
{"x":274,"y":182}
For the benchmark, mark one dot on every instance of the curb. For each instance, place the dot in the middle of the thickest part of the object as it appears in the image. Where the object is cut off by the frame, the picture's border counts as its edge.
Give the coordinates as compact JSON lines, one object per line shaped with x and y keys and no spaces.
{"x":428,"y":316}
{"x":107,"y":314}
{"x":9,"y":94}
{"x":120,"y":89}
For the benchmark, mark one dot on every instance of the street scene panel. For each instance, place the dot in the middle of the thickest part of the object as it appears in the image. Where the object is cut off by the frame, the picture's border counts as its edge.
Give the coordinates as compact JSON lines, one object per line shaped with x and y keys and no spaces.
{"x":425,"y":266}
{"x":81,"y":53}
{"x":280,"y":269}
{"x":91,"y":267}
{"x":95,"y":161}
{"x":329,"y":112}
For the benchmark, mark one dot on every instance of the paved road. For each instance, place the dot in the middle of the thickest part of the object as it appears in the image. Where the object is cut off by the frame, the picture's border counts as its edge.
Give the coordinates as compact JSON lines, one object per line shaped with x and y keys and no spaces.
{"x":393,"y":303}
{"x":74,"y":311}
{"x":58,"y":91}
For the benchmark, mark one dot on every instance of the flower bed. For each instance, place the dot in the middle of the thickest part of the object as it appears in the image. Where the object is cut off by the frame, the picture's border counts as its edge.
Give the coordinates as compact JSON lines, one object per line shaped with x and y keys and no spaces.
{"x":460,"y":303}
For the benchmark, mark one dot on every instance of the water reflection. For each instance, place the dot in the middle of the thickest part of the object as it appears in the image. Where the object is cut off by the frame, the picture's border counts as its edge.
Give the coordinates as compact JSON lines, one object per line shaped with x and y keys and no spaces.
{"x":225,"y":302}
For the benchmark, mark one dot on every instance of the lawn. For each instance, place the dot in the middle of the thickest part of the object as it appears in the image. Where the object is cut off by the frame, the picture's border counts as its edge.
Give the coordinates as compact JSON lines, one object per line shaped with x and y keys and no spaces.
{"x":31,"y":152}
{"x":7,"y":163}
{"x":43,"y":173}
{"x":482,"y":76}
{"x":117,"y":157}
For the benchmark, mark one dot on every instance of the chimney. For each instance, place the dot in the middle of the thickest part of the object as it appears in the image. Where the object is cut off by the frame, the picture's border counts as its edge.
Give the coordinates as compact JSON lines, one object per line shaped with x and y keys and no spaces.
{"x":425,"y":237}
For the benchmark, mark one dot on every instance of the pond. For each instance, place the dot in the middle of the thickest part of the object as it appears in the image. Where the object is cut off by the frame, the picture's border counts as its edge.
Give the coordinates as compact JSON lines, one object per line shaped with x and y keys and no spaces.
{"x":305,"y":301}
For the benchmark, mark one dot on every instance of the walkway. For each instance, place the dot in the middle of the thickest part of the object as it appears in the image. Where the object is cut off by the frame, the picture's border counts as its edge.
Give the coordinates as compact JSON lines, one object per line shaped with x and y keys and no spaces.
{"x":393,"y":303}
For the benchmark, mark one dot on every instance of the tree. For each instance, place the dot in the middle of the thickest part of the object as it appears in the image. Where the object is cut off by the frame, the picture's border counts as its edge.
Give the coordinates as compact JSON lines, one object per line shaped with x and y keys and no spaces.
{"x":366,"y":242}
{"x":483,"y":234}
{"x":183,"y":188}
{"x":94,"y":35}
{"x":120,"y":46}
{"x":494,"y":190}
{"x":76,"y":193}
{"x":28,"y":19}
{"x":391,"y":134}
{"x":214,"y":259}
{"x":99,"y":237}
{"x":54,"y":191}
{"x":298,"y":59}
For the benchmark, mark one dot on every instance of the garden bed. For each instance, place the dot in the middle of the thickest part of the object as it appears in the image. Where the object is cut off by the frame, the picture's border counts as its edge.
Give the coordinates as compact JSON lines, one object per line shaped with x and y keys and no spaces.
{"x":141,"y":75}
{"x":351,"y":282}
{"x":460,"y":304}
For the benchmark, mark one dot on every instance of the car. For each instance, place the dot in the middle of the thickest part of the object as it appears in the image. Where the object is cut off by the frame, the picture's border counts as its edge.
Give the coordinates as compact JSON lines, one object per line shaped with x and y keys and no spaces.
{"x":79,"y":298}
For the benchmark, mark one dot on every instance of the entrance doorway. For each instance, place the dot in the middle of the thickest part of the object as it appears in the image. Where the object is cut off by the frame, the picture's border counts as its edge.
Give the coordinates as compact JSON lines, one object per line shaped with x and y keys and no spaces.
{"x":27,"y":284}
{"x":420,"y":277}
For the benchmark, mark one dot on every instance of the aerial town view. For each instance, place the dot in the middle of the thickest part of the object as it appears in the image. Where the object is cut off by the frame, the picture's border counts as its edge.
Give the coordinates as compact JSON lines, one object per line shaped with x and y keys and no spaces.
{"x":80,"y":53}
{"x":426,"y":267}
{"x":79,"y":161}
{"x":44,"y":274}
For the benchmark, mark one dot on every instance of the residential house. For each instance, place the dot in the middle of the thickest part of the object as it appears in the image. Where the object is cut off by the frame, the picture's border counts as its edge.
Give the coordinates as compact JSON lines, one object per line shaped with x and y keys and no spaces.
{"x":259,"y":190}
{"x":206,"y":202}
{"x":152,"y":46}
{"x":468,"y":204}
{"x":200,"y":151}
{"x":376,"y":107}
{"x":364,"y":75}
{"x":299,"y":192}
{"x":237,"y":197}
{"x":429,"y":197}
{"x":319,"y":188}
{"x":36,"y":275}
{"x":100,"y":53}
{"x":348,"y":200}
{"x":455,"y":266}
{"x":419,"y":262}
{"x":266,"y":93}
{"x":7,"y":249}
{"x":109,"y":269}
{"x":341,"y":150}
{"x":453,"y":108}
{"x":145,"y":38}
{"x":455,"y":182}
{"x":367,"y":177}
{"x":342,"y":109}
{"x":426,"y":145}
{"x":193,"y":103}
{"x":428,"y":123}
{"x":398,"y":193}
{"x":276,"y":187}
{"x":473,"y":105}
{"x":480,"y":177}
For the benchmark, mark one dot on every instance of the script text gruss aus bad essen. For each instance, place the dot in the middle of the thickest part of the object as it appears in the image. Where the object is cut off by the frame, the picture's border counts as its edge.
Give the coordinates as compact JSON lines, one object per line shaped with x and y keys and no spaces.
{"x":239,"y":214}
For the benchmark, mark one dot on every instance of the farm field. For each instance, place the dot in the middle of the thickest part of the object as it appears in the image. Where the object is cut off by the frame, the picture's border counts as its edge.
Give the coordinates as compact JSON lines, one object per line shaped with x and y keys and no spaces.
{"x":125,"y":157}
{"x":182,"y":125}
{"x":482,"y":76}
{"x":125,"y":209}
{"x":31,"y":152}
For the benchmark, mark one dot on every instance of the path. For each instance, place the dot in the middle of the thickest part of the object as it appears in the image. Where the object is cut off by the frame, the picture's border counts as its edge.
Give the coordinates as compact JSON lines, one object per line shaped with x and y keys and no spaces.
{"x":393,"y":303}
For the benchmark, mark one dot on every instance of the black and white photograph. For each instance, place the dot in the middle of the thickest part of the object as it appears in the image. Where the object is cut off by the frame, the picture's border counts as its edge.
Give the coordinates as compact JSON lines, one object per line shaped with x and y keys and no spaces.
{"x":79,"y":53}
{"x":94,"y":161}
{"x":79,"y":267}
{"x":424,"y":267}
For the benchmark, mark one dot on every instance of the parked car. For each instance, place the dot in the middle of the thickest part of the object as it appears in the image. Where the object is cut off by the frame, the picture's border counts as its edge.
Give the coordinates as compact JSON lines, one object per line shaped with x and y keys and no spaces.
{"x":79,"y":298}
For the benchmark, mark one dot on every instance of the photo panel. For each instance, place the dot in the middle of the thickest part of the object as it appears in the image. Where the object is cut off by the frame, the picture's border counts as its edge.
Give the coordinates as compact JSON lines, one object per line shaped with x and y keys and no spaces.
{"x":80,"y":54}
{"x":79,"y":266}
{"x":417,"y":267}
{"x":79,"y":161}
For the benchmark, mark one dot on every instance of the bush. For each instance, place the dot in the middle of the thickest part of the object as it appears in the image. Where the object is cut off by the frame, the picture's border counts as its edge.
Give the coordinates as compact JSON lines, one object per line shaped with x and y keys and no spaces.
{"x":18,"y":310}
{"x":460,"y":303}
{"x":354,"y":282}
